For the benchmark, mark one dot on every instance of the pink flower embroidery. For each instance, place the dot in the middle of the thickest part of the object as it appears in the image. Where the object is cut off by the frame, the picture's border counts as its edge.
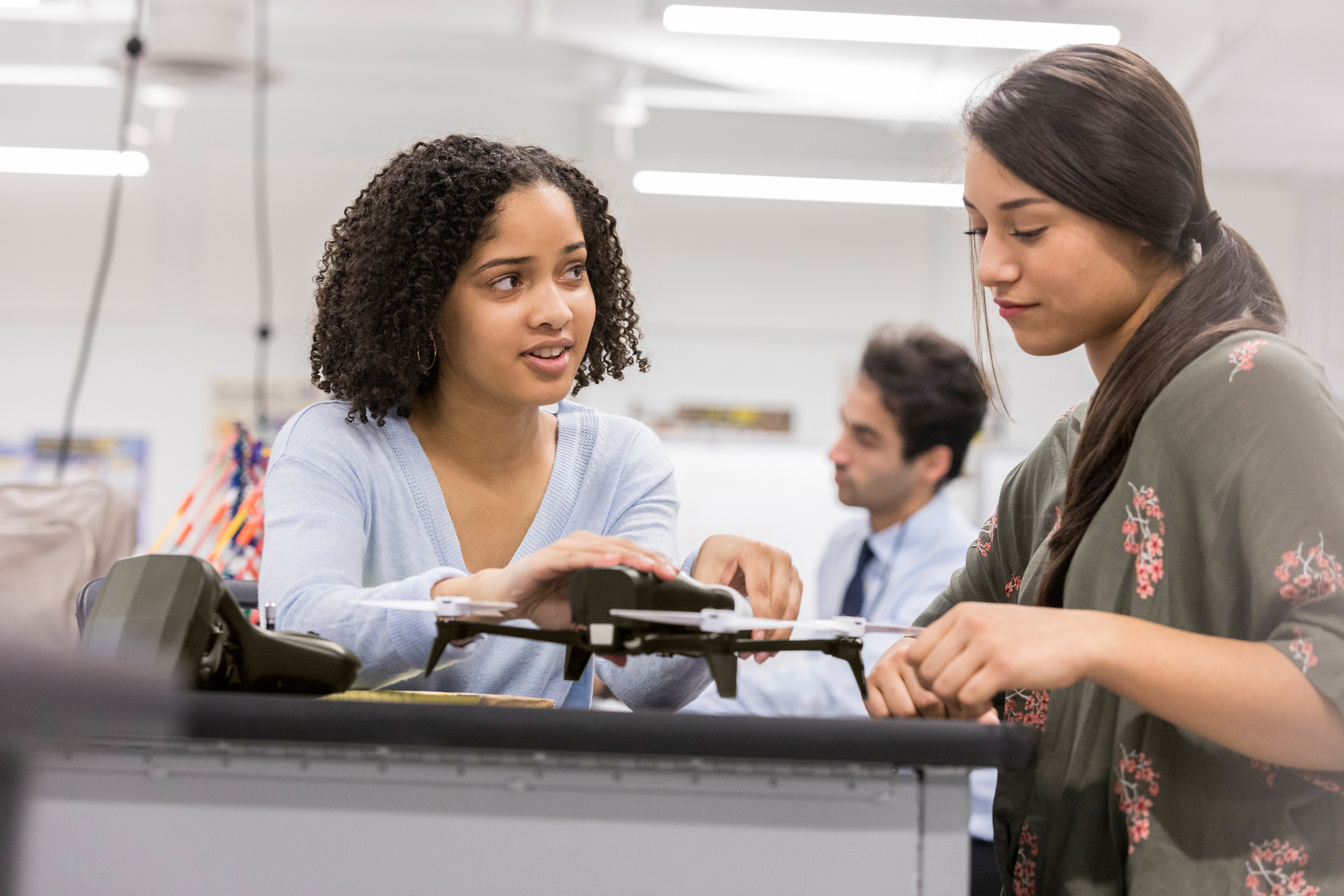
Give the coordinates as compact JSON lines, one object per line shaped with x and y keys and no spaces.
{"x":1271,"y":866}
{"x":1306,"y":577}
{"x":1302,"y":650}
{"x":1271,"y":771}
{"x":1144,"y":529}
{"x":1329,"y":785}
{"x":1243,"y":356}
{"x":1024,"y":867}
{"x":1026,"y":708}
{"x":986,"y":539}
{"x":1014,"y":584}
{"x":1136,"y":775}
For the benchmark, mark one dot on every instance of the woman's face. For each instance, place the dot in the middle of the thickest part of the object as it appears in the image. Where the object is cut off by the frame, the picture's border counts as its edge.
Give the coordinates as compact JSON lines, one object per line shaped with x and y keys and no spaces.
{"x":517,"y":319}
{"x":1059,"y":278}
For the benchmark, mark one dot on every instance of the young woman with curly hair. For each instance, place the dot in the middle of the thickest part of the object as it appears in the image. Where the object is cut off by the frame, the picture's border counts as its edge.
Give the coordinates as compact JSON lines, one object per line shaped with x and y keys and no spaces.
{"x":1158,"y":591}
{"x":468,"y":287}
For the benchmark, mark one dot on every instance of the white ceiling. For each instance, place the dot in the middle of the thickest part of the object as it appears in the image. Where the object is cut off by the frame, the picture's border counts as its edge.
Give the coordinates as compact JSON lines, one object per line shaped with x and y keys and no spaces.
{"x":1262,"y":78}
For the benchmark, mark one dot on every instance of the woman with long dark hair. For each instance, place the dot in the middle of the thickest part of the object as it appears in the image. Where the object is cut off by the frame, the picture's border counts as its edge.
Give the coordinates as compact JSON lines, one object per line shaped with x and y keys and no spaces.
{"x":1158,"y":591}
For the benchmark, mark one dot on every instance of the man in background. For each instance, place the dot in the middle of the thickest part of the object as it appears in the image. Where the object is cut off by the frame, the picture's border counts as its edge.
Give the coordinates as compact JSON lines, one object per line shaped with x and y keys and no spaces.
{"x":907,"y":422}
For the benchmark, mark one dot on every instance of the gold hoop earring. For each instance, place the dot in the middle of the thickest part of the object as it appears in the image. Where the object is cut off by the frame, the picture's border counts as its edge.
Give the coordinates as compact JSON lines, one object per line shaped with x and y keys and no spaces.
{"x":434,"y":359}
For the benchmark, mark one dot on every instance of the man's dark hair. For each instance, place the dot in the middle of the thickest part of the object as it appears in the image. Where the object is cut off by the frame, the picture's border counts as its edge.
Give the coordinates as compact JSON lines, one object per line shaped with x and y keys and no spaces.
{"x":394,"y":255}
{"x":931,"y":387}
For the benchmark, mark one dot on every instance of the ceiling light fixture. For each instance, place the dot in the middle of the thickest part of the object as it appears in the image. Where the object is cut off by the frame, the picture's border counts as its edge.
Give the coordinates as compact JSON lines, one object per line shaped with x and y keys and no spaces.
{"x":804,"y":189}
{"x":57,"y":76}
{"x":68,"y":11}
{"x":95,"y":162}
{"x":929,"y":30}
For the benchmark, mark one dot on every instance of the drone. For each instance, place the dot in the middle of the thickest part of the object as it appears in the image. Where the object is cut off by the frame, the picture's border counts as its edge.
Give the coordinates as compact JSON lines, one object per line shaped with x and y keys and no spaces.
{"x":621,"y":611}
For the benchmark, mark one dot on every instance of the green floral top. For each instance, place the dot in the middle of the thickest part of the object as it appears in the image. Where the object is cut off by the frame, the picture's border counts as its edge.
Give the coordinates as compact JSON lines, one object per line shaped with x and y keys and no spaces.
{"x":1226,"y":520}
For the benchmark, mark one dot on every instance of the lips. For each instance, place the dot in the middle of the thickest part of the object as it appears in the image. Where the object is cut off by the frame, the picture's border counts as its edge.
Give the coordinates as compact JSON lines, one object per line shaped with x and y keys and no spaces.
{"x":549,"y":358}
{"x":1012,"y":309}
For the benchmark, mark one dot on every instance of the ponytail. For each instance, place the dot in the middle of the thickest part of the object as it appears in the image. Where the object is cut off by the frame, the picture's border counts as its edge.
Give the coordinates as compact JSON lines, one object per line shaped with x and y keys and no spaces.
{"x":1227,"y":291}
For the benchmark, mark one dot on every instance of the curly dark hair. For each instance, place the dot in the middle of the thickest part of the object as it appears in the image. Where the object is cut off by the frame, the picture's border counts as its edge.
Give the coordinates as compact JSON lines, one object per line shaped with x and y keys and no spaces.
{"x":394,"y":255}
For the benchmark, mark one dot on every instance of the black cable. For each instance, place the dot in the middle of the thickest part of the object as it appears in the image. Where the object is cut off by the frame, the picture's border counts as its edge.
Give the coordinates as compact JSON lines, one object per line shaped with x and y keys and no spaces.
{"x":134,"y":48}
{"x":260,"y":203}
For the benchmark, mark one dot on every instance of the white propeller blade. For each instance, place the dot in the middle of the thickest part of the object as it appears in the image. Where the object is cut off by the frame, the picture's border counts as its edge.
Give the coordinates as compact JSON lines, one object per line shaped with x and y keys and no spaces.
{"x":708,"y":620}
{"x":857,"y":626}
{"x":450,"y":607}
{"x":721,"y":621}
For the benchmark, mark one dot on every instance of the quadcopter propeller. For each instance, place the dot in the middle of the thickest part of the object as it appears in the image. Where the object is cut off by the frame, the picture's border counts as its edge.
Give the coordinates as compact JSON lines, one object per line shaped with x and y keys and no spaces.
{"x":857,"y":626}
{"x":445,"y":607}
{"x":719,"y":621}
{"x":707,"y":620}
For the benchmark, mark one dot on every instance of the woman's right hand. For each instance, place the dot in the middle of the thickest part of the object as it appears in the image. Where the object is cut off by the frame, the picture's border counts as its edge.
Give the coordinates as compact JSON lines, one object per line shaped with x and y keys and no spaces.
{"x":539,"y":582}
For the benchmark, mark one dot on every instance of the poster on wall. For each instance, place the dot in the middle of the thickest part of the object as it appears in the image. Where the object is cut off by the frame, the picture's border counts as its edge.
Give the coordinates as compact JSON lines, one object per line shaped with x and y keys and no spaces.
{"x":119,"y":460}
{"x":235,"y":401}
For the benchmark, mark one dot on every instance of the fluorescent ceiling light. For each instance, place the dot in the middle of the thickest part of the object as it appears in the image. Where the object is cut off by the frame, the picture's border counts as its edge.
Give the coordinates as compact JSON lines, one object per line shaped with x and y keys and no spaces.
{"x":805,"y":189}
{"x":932,"y":30}
{"x":68,"y":11}
{"x":57,"y":76}
{"x":896,"y":106}
{"x":98,"y":162}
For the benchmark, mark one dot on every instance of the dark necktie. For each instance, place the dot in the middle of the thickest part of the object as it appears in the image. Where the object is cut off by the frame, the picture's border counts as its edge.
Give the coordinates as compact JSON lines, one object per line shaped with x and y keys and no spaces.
{"x":853,"y":603}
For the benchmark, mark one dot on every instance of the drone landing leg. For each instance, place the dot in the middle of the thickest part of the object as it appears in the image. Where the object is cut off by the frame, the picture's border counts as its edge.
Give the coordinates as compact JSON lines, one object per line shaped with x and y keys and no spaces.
{"x":853,"y":655}
{"x":576,"y":659}
{"x":723,"y":666}
{"x":448,"y":632}
{"x":857,"y":665}
{"x":436,"y":651}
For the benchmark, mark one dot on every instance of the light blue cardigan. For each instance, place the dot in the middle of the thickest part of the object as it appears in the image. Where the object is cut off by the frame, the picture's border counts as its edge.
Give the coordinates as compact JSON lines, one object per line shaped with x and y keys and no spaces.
{"x":354,"y":510}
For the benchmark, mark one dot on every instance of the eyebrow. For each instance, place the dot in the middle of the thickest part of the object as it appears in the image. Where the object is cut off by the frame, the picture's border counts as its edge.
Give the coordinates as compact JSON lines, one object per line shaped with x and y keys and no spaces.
{"x":525,"y":259}
{"x":1010,"y":205}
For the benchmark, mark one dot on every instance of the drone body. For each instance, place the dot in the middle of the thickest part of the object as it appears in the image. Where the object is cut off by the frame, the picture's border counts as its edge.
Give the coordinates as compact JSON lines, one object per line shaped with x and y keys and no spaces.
{"x":621,"y":611}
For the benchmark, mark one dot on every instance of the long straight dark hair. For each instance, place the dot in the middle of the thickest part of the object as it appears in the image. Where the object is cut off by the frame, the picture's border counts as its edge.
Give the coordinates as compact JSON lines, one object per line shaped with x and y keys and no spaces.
{"x":1098,"y":129}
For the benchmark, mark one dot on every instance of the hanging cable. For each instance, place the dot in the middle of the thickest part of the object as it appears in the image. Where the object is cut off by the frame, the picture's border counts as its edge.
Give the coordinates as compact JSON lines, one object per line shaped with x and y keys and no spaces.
{"x":260,"y":204}
{"x":135,"y":47}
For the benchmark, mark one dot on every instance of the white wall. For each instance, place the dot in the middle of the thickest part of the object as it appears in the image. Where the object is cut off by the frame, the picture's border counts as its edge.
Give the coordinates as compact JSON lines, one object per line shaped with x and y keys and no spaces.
{"x":743,"y":302}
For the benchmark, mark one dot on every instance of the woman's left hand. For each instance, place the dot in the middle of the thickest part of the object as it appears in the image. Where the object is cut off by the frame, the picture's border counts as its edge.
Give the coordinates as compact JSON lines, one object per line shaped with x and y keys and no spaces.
{"x":975,"y":650}
{"x":763,"y":574}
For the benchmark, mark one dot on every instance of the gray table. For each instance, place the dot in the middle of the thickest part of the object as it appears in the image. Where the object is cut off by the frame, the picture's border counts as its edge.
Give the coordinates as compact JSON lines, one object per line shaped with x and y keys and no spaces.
{"x":249,"y":794}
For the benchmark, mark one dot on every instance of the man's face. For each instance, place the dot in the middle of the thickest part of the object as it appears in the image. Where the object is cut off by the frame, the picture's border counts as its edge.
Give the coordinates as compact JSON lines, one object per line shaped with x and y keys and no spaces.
{"x":870,"y":471}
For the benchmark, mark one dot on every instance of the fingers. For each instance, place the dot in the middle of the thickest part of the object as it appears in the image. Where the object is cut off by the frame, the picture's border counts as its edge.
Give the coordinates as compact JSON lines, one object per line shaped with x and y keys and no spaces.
{"x":889,"y":686}
{"x":887,"y":697}
{"x":949,"y":681}
{"x":763,"y":574}
{"x":977,"y":694}
{"x":756,"y":567}
{"x":942,"y":643}
{"x":773,"y":585}
{"x":926,"y":703}
{"x":786,"y":598}
{"x":583,"y":549}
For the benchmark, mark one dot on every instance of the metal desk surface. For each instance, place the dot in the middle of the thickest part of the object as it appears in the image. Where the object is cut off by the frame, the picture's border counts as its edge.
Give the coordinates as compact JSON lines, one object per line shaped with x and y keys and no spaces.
{"x":160,"y":792}
{"x":896,"y":742}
